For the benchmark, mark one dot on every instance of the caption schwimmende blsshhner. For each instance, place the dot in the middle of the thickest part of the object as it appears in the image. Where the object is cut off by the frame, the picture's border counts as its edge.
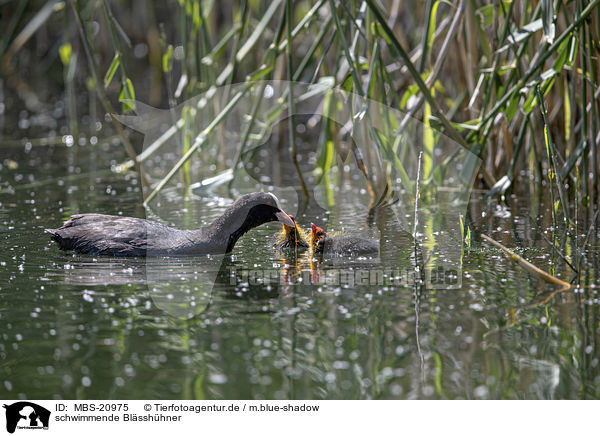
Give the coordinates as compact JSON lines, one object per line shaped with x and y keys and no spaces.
{"x":160,"y":412}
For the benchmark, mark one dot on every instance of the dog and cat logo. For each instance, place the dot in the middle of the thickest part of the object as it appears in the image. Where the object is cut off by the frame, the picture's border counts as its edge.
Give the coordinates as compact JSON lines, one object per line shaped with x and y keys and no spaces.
{"x":26,"y":415}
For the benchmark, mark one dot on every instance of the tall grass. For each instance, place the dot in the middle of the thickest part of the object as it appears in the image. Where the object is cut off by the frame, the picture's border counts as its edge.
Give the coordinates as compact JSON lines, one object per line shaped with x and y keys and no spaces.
{"x":515,"y":82}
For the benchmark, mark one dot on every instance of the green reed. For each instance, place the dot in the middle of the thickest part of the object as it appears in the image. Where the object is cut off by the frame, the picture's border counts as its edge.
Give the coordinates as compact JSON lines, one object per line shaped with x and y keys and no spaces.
{"x":474,"y":71}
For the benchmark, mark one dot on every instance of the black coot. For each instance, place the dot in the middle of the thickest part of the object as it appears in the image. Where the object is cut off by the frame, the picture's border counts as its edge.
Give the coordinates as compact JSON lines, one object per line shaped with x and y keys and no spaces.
{"x":341,"y":245}
{"x":125,"y":236}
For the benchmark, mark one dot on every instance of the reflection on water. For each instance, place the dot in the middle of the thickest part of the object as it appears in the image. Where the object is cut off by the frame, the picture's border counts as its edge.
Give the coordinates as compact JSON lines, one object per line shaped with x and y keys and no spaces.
{"x":256,"y":324}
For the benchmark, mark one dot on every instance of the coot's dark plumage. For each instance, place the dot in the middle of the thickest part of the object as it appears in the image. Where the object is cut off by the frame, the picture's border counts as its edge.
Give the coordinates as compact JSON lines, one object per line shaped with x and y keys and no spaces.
{"x":125,"y":236}
{"x":341,"y":245}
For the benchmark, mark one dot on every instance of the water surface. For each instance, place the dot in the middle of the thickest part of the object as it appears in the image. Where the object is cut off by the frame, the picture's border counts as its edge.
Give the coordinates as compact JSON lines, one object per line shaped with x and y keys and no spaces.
{"x":83,"y":327}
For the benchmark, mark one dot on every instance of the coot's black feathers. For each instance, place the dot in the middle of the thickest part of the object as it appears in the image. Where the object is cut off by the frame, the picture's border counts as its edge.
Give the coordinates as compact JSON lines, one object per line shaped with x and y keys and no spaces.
{"x":100,"y":234}
{"x":348,"y":245}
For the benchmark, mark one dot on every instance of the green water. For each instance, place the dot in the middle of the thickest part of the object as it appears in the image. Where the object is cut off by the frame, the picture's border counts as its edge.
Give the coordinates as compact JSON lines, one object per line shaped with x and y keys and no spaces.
{"x":78,"y":327}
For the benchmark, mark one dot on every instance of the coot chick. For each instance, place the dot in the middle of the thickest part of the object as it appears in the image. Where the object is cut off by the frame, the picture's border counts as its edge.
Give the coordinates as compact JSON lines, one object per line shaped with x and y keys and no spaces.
{"x":291,"y":238}
{"x":341,"y":244}
{"x":125,"y":236}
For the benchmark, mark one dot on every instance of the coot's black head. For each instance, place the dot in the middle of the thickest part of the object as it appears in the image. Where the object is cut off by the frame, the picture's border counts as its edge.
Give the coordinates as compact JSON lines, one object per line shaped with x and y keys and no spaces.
{"x":260,"y":208}
{"x":249,"y":211}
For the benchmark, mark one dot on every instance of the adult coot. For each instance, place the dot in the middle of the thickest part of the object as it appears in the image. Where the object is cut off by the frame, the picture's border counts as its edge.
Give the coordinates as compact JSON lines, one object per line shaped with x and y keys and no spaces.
{"x":125,"y":236}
